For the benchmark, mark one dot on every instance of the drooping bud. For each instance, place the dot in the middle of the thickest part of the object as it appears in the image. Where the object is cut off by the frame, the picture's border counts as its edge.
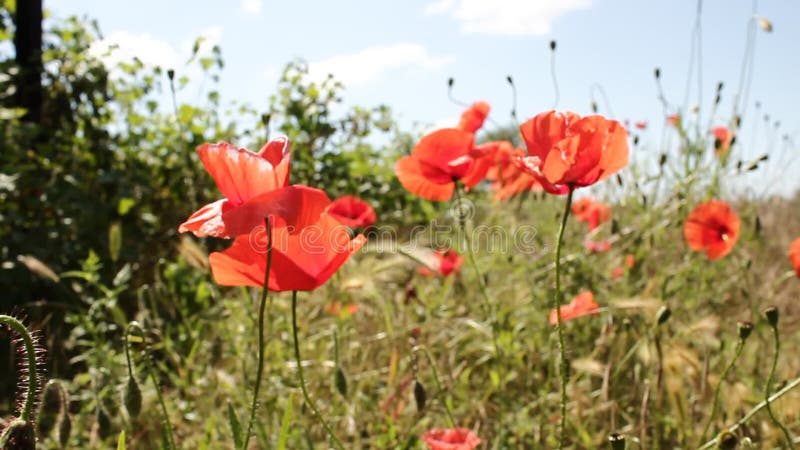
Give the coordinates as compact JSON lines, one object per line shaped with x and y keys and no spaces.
{"x":617,"y":441}
{"x":171,"y":74}
{"x":553,"y":45}
{"x":663,"y":314}
{"x":64,"y":429}
{"x":265,"y":118}
{"x":340,"y":381}
{"x":420,"y":396}
{"x":727,"y":441}
{"x":49,"y":408}
{"x":657,"y":73}
{"x":104,"y":426}
{"x":19,"y":435}
{"x":133,"y":397}
{"x":662,"y":160}
{"x":745,"y":328}
{"x":450,"y":82}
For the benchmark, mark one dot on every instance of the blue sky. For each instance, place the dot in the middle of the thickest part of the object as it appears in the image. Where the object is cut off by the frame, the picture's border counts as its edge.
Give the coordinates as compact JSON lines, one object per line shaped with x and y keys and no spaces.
{"x":402,"y":53}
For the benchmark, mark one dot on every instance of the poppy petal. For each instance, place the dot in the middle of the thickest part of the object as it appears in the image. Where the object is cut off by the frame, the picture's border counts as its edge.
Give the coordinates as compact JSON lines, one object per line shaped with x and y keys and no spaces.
{"x":412,"y":175}
{"x":239,"y":173}
{"x":298,"y":206}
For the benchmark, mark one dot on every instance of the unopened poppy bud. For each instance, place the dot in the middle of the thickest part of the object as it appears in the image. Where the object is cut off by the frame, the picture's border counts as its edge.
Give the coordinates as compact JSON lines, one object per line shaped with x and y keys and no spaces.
{"x":103,"y":423}
{"x":636,"y":140}
{"x":758,"y":225}
{"x":772,"y":314}
{"x":49,"y":408}
{"x":133,"y":397}
{"x":510,"y":80}
{"x":64,"y":429}
{"x":340,"y":381}
{"x":745,"y":328}
{"x":663,"y":314}
{"x":553,"y":45}
{"x":727,"y":441}
{"x":594,"y":106}
{"x":171,"y":74}
{"x":617,"y":441}
{"x":420,"y":396}
{"x":657,"y":73}
{"x":265,"y":118}
{"x":450,"y":82}
{"x":19,"y":435}
{"x":662,"y":159}
{"x":719,"y":86}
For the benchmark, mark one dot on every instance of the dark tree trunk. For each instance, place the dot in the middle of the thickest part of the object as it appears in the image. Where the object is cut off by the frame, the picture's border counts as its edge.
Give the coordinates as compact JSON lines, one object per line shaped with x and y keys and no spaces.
{"x":28,"y":45}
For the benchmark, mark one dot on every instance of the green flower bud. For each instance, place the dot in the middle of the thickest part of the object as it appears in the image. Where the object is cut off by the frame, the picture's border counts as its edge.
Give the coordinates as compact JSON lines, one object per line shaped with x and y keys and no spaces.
{"x":420,"y":396}
{"x":772,"y":314}
{"x":133,"y":397}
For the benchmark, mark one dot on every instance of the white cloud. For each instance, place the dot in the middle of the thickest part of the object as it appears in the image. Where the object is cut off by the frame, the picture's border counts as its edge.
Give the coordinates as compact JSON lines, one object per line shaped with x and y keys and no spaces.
{"x":505,"y":17}
{"x":373,"y":62}
{"x":123,"y":46}
{"x":251,"y":6}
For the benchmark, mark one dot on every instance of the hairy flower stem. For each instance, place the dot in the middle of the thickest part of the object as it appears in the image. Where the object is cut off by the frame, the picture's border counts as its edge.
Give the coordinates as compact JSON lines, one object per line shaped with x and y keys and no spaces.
{"x":30,"y":354}
{"x":439,"y":386}
{"x":557,"y":305}
{"x":770,"y":378}
{"x":261,"y":310}
{"x":715,"y":404}
{"x":337,"y":443}
{"x":487,"y":302}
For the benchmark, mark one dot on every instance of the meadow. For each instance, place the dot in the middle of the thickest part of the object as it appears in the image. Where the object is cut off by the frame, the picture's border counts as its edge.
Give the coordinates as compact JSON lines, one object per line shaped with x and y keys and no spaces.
{"x":547,"y":283}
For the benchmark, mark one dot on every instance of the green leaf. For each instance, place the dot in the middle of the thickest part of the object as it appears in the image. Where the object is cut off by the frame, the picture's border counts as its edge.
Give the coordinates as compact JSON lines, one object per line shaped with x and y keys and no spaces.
{"x":124,"y":205}
{"x":121,"y":440}
{"x":114,"y":240}
{"x":236,"y":426}
{"x":286,"y":421}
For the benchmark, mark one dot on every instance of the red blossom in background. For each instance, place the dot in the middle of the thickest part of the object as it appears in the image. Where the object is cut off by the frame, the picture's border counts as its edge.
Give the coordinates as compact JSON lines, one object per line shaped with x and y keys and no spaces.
{"x":712,"y":227}
{"x":450,"y":439}
{"x":566,"y":151}
{"x":352,"y":211}
{"x":674,"y":120}
{"x":592,"y":212}
{"x":336,"y":309}
{"x":794,"y":255}
{"x":597,"y":246}
{"x":581,"y":305}
{"x":723,"y":139}
{"x":642,"y":125}
{"x":619,"y":271}
{"x":445,"y":262}
{"x":255,"y":185}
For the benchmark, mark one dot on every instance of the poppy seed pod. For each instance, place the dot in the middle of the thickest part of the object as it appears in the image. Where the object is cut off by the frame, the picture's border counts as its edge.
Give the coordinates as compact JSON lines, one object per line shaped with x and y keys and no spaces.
{"x":772,"y":314}
{"x":617,"y":441}
{"x":745,"y":328}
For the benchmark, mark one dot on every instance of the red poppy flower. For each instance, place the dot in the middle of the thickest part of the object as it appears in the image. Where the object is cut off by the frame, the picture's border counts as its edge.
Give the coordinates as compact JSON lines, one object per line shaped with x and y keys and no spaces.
{"x":712,"y":227}
{"x":642,"y":125}
{"x":352,"y":211}
{"x":617,"y":272}
{"x":335,"y":308}
{"x":445,"y":262}
{"x":255,"y":185}
{"x":794,"y":255}
{"x":592,"y":212}
{"x":723,"y":139}
{"x":450,"y":439}
{"x":300,"y":262}
{"x":507,"y":178}
{"x":581,"y":305}
{"x":674,"y":120}
{"x":630,"y":261}
{"x":566,"y":151}
{"x":472,"y":119}
{"x":439,"y":160}
{"x":597,"y":246}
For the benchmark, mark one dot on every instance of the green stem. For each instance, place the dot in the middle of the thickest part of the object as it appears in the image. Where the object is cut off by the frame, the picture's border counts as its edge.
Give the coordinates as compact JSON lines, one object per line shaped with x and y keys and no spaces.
{"x":261,"y":310}
{"x":151,"y":370}
{"x":302,"y":379}
{"x":439,"y":386}
{"x":557,"y":306}
{"x":487,"y":302}
{"x":30,"y":354}
{"x":718,"y":389}
{"x":771,"y":376}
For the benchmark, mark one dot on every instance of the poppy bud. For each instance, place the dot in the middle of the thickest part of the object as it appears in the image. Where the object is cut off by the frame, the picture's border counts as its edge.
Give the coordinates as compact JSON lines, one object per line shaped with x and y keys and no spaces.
{"x":745,"y":328}
{"x":617,"y":441}
{"x":18,"y":435}
{"x":265,"y":118}
{"x":64,"y":429}
{"x":772,"y":314}
{"x":717,"y":99}
{"x":49,"y":408}
{"x":663,"y":314}
{"x":636,"y":140}
{"x":619,"y":180}
{"x":103,"y":423}
{"x":510,"y":80}
{"x":340,"y":381}
{"x":410,"y":294}
{"x":758,"y":225}
{"x":727,"y":441}
{"x":719,"y":86}
{"x":133,"y":397}
{"x":662,"y":160}
{"x":171,"y":74}
{"x":763,"y":157}
{"x":657,"y":73}
{"x":594,"y":106}
{"x":420,"y":396}
{"x":553,"y":45}
{"x":450,"y":82}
